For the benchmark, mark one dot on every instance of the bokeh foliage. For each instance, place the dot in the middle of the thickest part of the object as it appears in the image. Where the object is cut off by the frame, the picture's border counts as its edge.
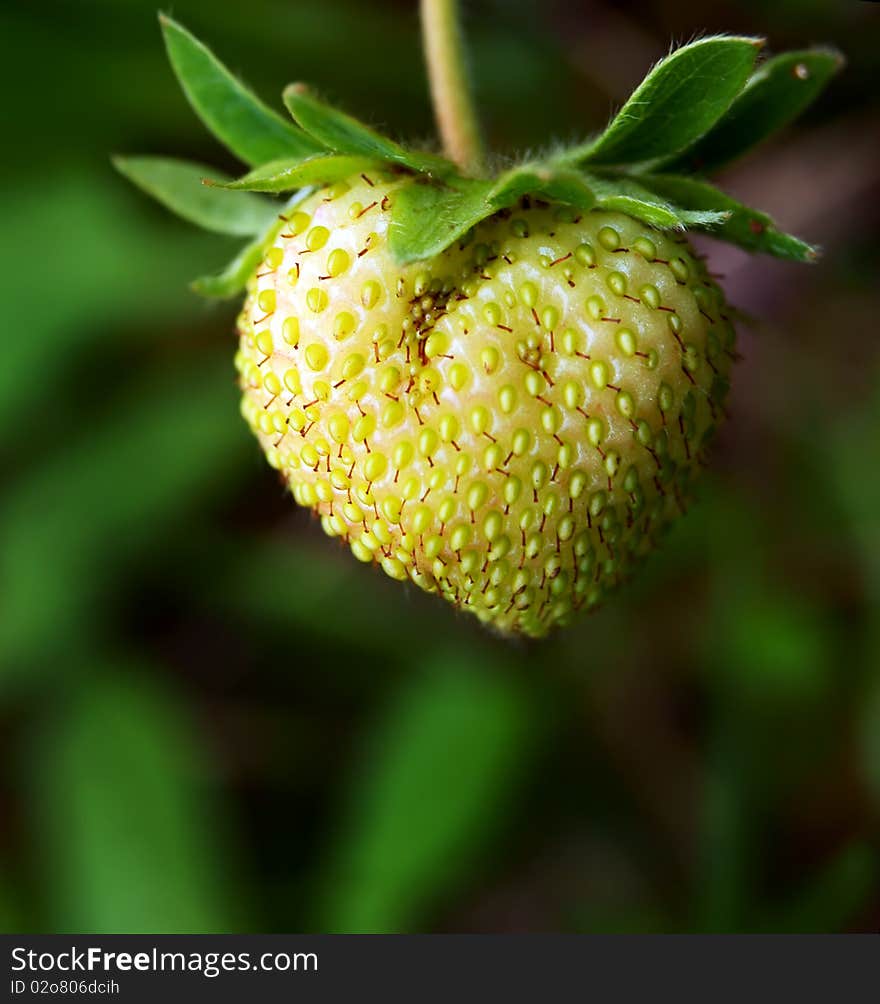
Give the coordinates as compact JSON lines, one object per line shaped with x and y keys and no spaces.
{"x":216,"y":720}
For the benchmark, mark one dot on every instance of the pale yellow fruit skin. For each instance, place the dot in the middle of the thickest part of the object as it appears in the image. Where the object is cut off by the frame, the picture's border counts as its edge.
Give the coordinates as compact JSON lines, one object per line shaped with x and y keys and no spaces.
{"x":505,"y":451}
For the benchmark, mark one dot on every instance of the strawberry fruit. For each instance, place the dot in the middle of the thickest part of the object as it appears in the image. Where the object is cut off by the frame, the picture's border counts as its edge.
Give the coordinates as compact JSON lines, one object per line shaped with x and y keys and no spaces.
{"x":501,"y":389}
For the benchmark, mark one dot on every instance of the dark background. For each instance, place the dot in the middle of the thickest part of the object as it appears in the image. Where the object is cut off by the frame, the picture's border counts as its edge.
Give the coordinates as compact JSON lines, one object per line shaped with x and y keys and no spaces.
{"x":214,"y":719}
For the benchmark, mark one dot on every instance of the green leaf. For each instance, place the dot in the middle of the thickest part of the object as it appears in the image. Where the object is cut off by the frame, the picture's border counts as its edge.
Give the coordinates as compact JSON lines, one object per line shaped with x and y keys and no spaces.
{"x":427,"y":218}
{"x":775,"y":95}
{"x":344,"y":134}
{"x":744,"y":227}
{"x":287,"y":175}
{"x":559,"y":184}
{"x":130,"y":842}
{"x":627,"y":196}
{"x":178,"y":185}
{"x":234,"y":115}
{"x":682,"y":97}
{"x":437,"y":773}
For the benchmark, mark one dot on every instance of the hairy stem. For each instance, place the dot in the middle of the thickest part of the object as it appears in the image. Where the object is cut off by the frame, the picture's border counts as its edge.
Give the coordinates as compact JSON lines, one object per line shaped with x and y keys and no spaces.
{"x":450,"y":90}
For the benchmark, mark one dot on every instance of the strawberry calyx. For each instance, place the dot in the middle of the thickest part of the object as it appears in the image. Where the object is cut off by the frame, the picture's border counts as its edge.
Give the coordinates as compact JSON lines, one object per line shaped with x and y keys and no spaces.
{"x":702,"y":106}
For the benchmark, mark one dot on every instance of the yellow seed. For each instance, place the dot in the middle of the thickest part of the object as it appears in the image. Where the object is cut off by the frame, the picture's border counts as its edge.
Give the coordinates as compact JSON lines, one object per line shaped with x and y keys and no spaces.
{"x":436,"y":344}
{"x":625,"y":404}
{"x":609,"y":238}
{"x":539,"y":474}
{"x":569,"y":341}
{"x":528,"y":294}
{"x":535,"y":383}
{"x":317,"y":299}
{"x":363,"y":427}
{"x":402,"y":455}
{"x":353,"y":512}
{"x":381,"y":532}
{"x":266,"y":301}
{"x":357,"y":390}
{"x":316,"y":356}
{"x":394,"y":568}
{"x":392,"y":414}
{"x":481,"y":420}
{"x":493,"y":457}
{"x":549,"y":318}
{"x":551,"y":420}
{"x":522,"y":440}
{"x":566,"y":455}
{"x":492,"y":313}
{"x":353,"y":365}
{"x":572,"y":394}
{"x":421,"y":519}
{"x":371,"y":293}
{"x":339,"y":479}
{"x":316,"y":238}
{"x":428,"y":440}
{"x":361,"y":552}
{"x":298,"y":223}
{"x":616,"y":282}
{"x":626,"y":341}
{"x":460,"y":536}
{"x":290,"y":331}
{"x":337,"y":262}
{"x":595,"y":431}
{"x":458,"y":375}
{"x":650,"y":296}
{"x":447,"y":509}
{"x":448,"y":428}
{"x":490,"y":357}
{"x":477,"y":494}
{"x":577,"y":484}
{"x":338,"y":425}
{"x":599,"y":374}
{"x":391,"y":507}
{"x":433,"y":546}
{"x":493,"y":525}
{"x":429,"y":381}
{"x":375,"y":466}
{"x":264,"y":342}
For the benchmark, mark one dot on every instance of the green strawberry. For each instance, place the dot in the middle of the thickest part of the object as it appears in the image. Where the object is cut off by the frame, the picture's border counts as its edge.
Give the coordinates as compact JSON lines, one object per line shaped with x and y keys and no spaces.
{"x":501,"y":389}
{"x":511,"y":424}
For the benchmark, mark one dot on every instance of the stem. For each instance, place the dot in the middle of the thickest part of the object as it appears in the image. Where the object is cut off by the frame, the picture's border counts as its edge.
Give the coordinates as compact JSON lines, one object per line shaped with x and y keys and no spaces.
{"x":450,"y":91}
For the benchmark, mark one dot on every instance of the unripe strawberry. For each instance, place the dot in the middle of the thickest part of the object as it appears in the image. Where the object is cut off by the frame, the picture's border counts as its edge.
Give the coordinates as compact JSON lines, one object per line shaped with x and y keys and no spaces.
{"x":511,"y":424}
{"x":500,"y":387}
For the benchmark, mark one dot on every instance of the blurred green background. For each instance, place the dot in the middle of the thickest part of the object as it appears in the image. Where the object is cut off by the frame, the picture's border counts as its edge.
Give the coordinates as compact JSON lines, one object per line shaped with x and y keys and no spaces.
{"x":213,"y":719}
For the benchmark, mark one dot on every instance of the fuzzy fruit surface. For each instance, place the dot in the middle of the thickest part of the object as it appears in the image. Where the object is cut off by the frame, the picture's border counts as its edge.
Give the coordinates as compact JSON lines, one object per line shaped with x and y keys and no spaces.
{"x":511,"y":424}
